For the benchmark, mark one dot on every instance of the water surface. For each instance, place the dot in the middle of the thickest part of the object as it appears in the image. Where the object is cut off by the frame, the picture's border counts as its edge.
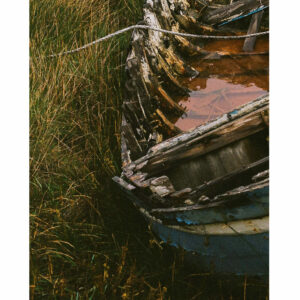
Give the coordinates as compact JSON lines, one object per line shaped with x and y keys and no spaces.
{"x":226,"y":83}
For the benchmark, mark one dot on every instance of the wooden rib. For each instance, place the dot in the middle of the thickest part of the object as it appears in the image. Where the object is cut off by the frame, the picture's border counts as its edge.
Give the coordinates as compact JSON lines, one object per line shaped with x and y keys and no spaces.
{"x":229,"y":181}
{"x":169,"y":73}
{"x":173,"y":104}
{"x":265,"y":117}
{"x":225,"y":198}
{"x":169,"y":124}
{"x":156,"y":40}
{"x":253,"y":28}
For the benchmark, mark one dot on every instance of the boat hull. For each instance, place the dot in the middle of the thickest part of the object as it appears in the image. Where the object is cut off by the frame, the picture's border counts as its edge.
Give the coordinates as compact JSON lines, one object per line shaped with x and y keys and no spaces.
{"x":240,"y":247}
{"x":256,"y":205}
{"x":205,"y":190}
{"x":236,"y":254}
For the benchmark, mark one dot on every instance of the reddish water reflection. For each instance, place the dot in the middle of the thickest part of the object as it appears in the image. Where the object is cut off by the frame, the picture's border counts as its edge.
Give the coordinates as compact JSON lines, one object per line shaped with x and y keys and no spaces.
{"x":225,"y":83}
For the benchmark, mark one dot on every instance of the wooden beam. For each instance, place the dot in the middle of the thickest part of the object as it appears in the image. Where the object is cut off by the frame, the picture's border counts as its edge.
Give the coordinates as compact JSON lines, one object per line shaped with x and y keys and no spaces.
{"x":218,"y":138}
{"x":174,"y":129}
{"x":253,"y":28}
{"x":231,"y":11}
{"x":197,"y":133}
{"x":233,"y":196}
{"x":238,"y":177}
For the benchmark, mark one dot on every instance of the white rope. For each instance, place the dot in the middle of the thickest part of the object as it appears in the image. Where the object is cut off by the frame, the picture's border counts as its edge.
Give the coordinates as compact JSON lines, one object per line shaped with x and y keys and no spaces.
{"x":189,"y":35}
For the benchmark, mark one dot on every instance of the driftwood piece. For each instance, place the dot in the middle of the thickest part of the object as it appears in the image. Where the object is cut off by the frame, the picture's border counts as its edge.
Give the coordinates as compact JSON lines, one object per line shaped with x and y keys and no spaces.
{"x":231,"y":11}
{"x":253,"y":28}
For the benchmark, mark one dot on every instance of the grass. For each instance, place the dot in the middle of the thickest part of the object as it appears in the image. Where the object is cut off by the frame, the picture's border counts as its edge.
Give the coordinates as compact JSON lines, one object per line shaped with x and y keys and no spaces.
{"x":86,"y":241}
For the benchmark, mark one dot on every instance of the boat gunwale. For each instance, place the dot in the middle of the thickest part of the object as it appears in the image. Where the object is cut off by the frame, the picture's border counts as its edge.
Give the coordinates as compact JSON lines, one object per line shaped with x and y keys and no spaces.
{"x":192,"y":134}
{"x":207,"y":229}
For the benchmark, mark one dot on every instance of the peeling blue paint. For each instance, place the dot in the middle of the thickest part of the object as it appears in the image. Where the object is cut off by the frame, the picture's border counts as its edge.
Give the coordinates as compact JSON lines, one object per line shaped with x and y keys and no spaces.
{"x":186,"y":221}
{"x":257,"y":206}
{"x":234,"y":112}
{"x":244,"y":16}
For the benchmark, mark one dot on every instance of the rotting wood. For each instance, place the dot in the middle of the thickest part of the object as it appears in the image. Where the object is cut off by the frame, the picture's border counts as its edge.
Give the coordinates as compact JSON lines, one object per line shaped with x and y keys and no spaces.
{"x":169,"y":124}
{"x":231,"y":11}
{"x":182,"y":193}
{"x":229,"y":181}
{"x":181,"y":139}
{"x":149,"y":63}
{"x":253,"y":28}
{"x":123,"y":183}
{"x":157,"y":60}
{"x":146,"y":114}
{"x":169,"y":22}
{"x":161,"y":186}
{"x":246,"y":208}
{"x":219,"y":137}
{"x":169,"y":53}
{"x":169,"y":100}
{"x":130,"y":139}
{"x":260,"y":176}
{"x":233,"y":197}
{"x":265,"y":117}
{"x":154,"y":67}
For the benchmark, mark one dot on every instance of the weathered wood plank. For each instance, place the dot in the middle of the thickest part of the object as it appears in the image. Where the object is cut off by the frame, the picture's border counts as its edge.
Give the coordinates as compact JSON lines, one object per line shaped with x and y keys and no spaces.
{"x":162,"y":186}
{"x":181,"y":139}
{"x":169,"y":124}
{"x":219,"y":213}
{"x":261,"y":175}
{"x":236,"y":178}
{"x":231,"y":11}
{"x":208,"y":142}
{"x":231,"y":197}
{"x":253,"y":28}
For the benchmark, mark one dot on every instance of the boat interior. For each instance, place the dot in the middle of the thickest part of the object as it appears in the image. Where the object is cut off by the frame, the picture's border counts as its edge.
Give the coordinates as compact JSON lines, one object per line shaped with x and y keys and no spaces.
{"x":196,"y":113}
{"x":228,"y":156}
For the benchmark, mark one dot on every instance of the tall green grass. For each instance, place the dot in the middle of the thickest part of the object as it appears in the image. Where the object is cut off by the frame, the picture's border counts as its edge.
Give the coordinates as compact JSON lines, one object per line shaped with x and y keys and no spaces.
{"x":86,"y":241}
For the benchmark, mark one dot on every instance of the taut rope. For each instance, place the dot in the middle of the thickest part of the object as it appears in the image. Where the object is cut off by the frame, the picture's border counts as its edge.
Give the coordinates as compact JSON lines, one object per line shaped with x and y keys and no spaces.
{"x":188,"y":35}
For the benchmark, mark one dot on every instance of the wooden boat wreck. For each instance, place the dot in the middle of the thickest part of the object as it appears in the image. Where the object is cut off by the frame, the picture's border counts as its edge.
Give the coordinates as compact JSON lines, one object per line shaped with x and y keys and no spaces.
{"x":205,"y":189}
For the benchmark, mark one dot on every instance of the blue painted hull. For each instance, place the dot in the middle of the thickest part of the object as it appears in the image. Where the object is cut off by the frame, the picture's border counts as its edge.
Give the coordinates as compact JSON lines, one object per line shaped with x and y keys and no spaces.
{"x":238,"y":247}
{"x":222,"y":254}
{"x":256,"y":205}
